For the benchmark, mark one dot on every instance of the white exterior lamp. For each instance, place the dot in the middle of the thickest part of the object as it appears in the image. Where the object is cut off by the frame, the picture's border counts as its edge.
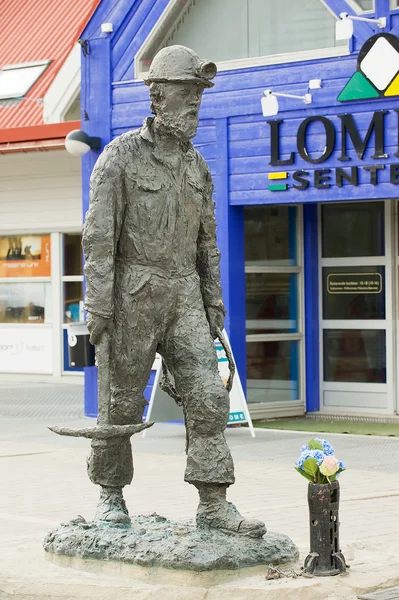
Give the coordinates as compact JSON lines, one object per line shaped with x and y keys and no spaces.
{"x":344,"y":25}
{"x":270,"y":99}
{"x":78,"y":143}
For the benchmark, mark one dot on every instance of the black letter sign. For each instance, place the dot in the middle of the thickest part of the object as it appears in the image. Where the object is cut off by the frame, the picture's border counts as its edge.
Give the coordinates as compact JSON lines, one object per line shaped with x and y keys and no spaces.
{"x":300,"y":177}
{"x":377,"y":124}
{"x":394,"y":173}
{"x":330,"y":139}
{"x":341,"y":175}
{"x":321,"y":177}
{"x":275,"y":145}
{"x":374,"y":172}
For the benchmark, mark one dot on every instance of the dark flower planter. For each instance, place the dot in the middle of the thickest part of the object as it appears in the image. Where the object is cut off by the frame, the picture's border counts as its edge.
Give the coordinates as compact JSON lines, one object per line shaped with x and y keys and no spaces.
{"x":325,"y":556}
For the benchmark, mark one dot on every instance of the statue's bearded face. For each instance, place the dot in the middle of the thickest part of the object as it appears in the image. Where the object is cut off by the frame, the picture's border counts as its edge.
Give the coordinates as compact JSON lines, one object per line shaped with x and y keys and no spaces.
{"x":176,"y":106}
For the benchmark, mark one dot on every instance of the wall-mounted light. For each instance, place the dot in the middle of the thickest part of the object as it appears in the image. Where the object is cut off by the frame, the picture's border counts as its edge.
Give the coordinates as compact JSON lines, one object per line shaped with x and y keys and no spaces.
{"x":78,"y":143}
{"x":107,"y":27}
{"x":344,"y":25}
{"x":270,"y":99}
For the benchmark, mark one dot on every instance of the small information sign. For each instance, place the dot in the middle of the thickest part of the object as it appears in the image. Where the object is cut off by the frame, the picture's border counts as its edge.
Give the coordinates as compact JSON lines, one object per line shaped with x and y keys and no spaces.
{"x":354,"y":283}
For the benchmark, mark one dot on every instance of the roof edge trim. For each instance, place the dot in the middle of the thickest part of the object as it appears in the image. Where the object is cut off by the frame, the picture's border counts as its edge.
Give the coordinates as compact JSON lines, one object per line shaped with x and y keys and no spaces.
{"x":38,"y":132}
{"x":26,"y":65}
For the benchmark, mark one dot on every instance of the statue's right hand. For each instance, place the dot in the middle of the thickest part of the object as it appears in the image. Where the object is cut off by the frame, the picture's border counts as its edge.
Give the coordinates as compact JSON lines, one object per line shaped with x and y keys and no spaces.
{"x":96,"y":326}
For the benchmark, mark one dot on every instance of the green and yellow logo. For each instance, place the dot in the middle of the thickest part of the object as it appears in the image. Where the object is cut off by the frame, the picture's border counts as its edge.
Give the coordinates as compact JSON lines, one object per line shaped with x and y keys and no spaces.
{"x":275,"y":185}
{"x":377,"y":72}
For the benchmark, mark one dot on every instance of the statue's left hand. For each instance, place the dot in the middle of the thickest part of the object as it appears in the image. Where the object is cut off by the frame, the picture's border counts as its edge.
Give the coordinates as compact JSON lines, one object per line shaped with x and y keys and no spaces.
{"x":215,"y":315}
{"x":96,"y":326}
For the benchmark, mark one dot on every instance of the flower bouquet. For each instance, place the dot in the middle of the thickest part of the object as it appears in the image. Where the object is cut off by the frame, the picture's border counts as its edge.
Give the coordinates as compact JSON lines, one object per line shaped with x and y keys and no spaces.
{"x":317,"y":462}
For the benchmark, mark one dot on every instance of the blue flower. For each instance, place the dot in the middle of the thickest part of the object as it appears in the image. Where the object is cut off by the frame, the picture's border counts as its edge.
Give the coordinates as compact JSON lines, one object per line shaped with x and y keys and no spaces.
{"x":341,"y":465}
{"x":318,"y":455}
{"x":327,"y":448}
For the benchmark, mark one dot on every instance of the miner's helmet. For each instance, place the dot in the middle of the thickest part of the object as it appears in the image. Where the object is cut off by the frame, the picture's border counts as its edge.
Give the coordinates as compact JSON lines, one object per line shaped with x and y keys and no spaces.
{"x":179,"y":64}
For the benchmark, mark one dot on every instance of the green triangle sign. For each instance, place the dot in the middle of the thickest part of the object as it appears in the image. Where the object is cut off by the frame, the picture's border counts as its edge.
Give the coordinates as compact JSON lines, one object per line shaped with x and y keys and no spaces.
{"x":358,"y":88}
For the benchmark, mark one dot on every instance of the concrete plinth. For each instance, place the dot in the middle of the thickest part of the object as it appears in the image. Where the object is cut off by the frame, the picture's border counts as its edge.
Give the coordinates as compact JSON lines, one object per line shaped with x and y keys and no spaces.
{"x":155,"y":541}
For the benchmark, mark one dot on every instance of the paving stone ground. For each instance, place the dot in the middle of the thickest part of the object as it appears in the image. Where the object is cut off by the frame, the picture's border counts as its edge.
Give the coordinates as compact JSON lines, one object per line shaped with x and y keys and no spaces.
{"x":44,"y":481}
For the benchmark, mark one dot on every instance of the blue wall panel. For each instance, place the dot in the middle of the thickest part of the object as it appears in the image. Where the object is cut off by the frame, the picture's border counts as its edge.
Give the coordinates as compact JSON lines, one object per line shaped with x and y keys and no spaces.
{"x":96,"y":83}
{"x":311,"y":275}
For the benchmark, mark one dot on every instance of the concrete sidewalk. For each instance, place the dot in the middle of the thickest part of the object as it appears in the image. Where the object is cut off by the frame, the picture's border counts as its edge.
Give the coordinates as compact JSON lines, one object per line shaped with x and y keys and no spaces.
{"x":44,"y":482}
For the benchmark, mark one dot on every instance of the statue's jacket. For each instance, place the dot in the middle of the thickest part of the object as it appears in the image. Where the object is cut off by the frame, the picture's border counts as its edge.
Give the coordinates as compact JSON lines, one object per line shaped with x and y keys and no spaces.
{"x":146,"y":218}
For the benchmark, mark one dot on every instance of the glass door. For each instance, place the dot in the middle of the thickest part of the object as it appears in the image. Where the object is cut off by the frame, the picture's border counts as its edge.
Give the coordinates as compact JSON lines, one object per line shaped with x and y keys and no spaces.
{"x":356,"y":307}
{"x":72,"y":289}
{"x":273,"y":272}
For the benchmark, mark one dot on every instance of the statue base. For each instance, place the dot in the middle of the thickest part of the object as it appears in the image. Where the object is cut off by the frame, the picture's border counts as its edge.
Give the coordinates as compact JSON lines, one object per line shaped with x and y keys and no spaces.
{"x":155,"y":541}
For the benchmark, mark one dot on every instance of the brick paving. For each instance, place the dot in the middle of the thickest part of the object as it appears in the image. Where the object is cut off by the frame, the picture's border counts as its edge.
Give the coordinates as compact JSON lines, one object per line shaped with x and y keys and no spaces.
{"x":44,"y":477}
{"x":46,"y":481}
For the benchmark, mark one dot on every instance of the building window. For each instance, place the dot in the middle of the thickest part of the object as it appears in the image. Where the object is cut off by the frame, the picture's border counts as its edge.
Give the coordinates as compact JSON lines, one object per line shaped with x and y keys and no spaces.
{"x":355,"y":355}
{"x":16,"y":80}
{"x":241,"y":29}
{"x":73,"y":112}
{"x":273,"y":324}
{"x":25,"y":256}
{"x":25,"y":286}
{"x":394,"y":4}
{"x":72,"y":277}
{"x":25,"y":302}
{"x":72,"y":289}
{"x":353,"y":229}
{"x":362,"y":6}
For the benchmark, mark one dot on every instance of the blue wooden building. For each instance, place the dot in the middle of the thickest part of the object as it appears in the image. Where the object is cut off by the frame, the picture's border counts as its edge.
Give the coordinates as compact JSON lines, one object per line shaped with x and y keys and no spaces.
{"x":306,"y":198}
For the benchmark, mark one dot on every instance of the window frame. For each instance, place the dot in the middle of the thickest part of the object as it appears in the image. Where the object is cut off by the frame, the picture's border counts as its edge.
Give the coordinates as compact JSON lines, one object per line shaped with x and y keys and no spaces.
{"x":347,"y":388}
{"x":68,"y":278}
{"x":31,"y":280}
{"x":298,"y":337}
{"x":240,"y":63}
{"x":359,"y":10}
{"x":21,"y":66}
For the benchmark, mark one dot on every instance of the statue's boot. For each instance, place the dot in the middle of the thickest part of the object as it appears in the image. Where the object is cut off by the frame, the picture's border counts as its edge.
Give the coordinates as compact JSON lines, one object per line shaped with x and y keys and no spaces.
{"x":216,"y":513}
{"x":111,"y":508}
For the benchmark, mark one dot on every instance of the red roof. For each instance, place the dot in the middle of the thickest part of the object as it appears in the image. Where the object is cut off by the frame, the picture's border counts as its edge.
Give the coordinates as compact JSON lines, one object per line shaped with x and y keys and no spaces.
{"x":33,"y":30}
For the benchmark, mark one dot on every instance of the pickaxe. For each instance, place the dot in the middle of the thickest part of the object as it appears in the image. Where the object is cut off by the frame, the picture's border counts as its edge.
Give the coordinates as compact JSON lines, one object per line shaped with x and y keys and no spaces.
{"x":104,"y":430}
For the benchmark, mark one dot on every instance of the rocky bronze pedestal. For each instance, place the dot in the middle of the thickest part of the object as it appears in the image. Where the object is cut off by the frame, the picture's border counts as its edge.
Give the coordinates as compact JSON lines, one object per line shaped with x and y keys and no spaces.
{"x":155,"y":541}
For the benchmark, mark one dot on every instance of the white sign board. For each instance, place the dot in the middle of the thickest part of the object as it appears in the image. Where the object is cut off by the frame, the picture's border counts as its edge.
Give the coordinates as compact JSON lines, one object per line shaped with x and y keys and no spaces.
{"x":162,"y":408}
{"x":26,"y":349}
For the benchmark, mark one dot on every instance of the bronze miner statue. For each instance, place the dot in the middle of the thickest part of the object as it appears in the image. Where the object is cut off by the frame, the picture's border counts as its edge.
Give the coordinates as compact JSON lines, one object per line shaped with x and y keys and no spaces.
{"x":153,"y":285}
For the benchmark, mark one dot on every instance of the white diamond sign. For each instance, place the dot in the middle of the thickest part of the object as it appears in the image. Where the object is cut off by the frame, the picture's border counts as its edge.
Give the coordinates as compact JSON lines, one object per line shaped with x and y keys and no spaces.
{"x":381,"y":63}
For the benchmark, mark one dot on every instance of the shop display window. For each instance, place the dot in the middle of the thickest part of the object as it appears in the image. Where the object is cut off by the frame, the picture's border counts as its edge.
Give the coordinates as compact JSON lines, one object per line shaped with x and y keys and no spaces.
{"x":25,"y":302}
{"x":271,"y":303}
{"x":355,"y":355}
{"x":353,"y":229}
{"x":272,"y":275}
{"x":25,"y":256}
{"x":72,"y":278}
{"x":270,"y":235}
{"x":73,"y":301}
{"x":356,"y":292}
{"x":72,"y":254}
{"x":273,"y":370}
